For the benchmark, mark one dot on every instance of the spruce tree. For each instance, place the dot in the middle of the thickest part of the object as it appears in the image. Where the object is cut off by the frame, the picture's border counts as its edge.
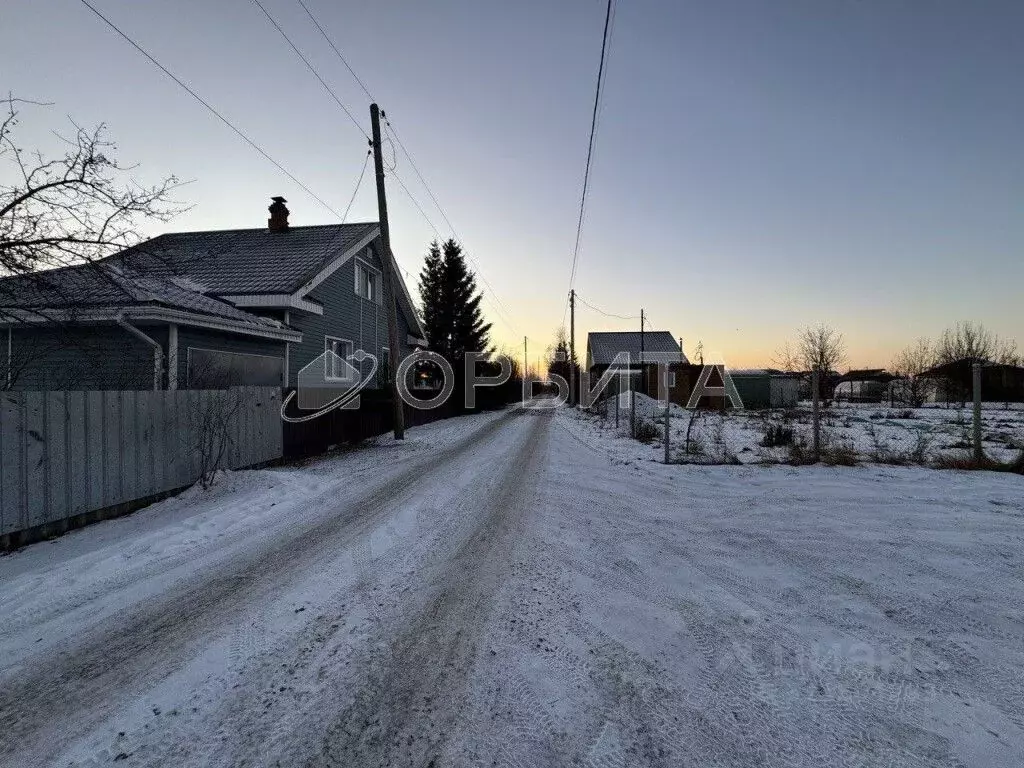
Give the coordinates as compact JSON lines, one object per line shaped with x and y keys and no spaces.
{"x":451,"y":301}
{"x":559,"y":361}
{"x":430,"y":297}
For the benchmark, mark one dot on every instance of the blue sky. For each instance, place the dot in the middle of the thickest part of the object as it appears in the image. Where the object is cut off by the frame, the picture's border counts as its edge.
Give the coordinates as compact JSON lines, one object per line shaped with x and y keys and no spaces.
{"x":759,"y":165}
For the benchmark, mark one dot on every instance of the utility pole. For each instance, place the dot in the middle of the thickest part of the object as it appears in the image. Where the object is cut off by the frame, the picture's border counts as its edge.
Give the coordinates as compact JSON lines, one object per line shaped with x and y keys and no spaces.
{"x":643,"y":368}
{"x":526,"y":369}
{"x":572,"y":346}
{"x":680,"y":349}
{"x":390,"y":296}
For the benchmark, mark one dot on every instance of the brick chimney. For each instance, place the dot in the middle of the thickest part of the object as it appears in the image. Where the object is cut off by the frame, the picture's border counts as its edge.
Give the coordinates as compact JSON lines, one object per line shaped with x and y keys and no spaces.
{"x":278,"y":221}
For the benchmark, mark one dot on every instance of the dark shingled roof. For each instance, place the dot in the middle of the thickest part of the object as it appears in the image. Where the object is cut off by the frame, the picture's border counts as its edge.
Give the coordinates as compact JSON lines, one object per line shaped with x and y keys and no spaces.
{"x":244,"y":261}
{"x":603,"y":346}
{"x":94,"y":286}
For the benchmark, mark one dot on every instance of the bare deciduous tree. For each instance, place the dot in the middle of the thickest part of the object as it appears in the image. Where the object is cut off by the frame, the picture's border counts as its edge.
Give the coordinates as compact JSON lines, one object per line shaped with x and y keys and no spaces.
{"x":74,"y":208}
{"x":909,"y":363}
{"x":817,"y":347}
{"x":787,"y":359}
{"x":821,"y":347}
{"x":974,"y":341}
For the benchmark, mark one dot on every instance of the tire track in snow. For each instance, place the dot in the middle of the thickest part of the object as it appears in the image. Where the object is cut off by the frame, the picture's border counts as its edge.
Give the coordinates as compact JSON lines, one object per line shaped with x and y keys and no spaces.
{"x":412,"y":700}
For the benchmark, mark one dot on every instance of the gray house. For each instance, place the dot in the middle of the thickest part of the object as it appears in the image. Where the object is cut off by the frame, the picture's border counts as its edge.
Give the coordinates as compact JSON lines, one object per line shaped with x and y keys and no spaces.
{"x":202,"y":309}
{"x":645,"y":349}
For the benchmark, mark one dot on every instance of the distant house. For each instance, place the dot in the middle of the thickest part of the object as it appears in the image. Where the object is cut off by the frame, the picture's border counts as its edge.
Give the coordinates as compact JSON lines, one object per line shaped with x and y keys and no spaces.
{"x":201,"y":309}
{"x":953,"y":382}
{"x":646,"y":350}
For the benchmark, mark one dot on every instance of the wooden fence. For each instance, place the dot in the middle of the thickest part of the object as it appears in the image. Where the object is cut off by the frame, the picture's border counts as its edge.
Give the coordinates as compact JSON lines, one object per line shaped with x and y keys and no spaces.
{"x":66,"y":454}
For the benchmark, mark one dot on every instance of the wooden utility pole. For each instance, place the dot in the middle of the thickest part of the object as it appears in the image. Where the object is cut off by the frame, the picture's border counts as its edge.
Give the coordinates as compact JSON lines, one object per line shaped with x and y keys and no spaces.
{"x":390,"y":295}
{"x":526,"y":368}
{"x":643,"y":368}
{"x":572,"y":346}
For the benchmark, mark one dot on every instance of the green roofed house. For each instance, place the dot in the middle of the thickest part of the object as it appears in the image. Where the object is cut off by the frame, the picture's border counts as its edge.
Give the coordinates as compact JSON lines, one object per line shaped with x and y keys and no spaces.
{"x":205,"y":309}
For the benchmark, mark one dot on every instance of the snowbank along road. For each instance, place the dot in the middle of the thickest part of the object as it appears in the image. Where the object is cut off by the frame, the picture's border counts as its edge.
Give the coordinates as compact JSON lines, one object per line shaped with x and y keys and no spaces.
{"x":506,"y":589}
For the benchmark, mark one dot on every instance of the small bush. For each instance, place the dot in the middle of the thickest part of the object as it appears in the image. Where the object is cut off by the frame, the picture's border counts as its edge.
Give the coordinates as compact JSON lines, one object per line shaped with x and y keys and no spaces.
{"x":839,"y":455}
{"x":800,"y":454}
{"x":645,"y":431}
{"x":1017,"y":465}
{"x":776,"y":435}
{"x":966,"y":461}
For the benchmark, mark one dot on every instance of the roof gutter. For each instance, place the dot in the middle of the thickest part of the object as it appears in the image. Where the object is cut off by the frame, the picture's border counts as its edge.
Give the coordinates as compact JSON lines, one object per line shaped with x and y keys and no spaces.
{"x":158,"y":351}
{"x":154,"y":314}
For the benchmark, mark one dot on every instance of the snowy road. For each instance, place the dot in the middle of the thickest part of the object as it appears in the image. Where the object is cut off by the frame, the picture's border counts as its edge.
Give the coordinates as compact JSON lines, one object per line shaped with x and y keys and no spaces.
{"x":506,"y":589}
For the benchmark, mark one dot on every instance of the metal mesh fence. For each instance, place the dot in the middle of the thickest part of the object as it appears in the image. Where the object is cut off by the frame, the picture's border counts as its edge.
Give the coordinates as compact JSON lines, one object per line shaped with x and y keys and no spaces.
{"x":969,"y":432}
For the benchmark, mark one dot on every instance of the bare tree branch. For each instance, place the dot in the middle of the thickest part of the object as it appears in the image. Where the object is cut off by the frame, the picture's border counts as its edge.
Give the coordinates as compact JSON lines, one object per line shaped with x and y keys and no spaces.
{"x":74,"y":209}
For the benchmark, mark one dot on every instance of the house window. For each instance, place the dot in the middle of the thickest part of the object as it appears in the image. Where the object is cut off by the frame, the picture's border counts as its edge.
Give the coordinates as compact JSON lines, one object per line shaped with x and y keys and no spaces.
{"x":341,"y":349}
{"x":367,"y":282}
{"x":217,"y":369}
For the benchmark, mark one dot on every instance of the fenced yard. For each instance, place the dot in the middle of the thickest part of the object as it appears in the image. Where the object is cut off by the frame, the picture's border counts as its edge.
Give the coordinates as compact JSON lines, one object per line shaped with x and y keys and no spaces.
{"x":849,"y":433}
{"x":66,"y":455}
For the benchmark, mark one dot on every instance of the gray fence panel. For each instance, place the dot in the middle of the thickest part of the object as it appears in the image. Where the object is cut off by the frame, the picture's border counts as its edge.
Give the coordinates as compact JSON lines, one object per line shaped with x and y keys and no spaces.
{"x":129,"y":447}
{"x":35,"y":457}
{"x":55,"y":458}
{"x":66,"y":453}
{"x":94,"y":448}
{"x":12,"y":481}
{"x":110,"y":461}
{"x":77,"y":452}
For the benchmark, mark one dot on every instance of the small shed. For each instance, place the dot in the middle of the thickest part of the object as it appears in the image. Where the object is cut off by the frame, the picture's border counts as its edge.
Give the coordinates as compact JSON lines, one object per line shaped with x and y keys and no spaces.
{"x":766,"y":388}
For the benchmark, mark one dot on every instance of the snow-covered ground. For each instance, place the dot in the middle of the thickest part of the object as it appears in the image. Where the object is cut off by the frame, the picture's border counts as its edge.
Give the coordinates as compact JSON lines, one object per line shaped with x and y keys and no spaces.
{"x":516,"y":589}
{"x":868,"y":433}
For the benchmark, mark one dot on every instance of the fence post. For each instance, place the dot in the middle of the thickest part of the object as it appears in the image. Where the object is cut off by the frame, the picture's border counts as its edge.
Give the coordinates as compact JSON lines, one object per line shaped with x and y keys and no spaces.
{"x":816,"y":414}
{"x":632,"y":409}
{"x":976,"y":376}
{"x":618,"y":393}
{"x":668,"y":431}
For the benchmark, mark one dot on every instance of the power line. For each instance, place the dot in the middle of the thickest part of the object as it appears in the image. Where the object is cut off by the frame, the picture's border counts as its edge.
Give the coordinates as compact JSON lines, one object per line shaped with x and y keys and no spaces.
{"x":211,"y":109}
{"x":351,"y":200}
{"x":489,"y":295}
{"x":336,"y":51}
{"x":312,"y":69}
{"x":590,"y":144}
{"x":390,"y":129}
{"x":359,"y":181}
{"x":493,"y":295}
{"x":602,"y":312}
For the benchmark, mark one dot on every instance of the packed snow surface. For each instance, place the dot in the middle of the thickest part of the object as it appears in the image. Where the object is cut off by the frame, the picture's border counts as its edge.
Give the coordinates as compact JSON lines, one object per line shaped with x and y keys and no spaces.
{"x":520,"y":589}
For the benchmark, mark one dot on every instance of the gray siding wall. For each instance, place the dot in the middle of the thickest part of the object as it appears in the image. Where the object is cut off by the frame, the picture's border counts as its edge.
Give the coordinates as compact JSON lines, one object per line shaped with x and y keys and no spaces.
{"x":346,"y":316}
{"x":108,"y":357}
{"x":93,"y":357}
